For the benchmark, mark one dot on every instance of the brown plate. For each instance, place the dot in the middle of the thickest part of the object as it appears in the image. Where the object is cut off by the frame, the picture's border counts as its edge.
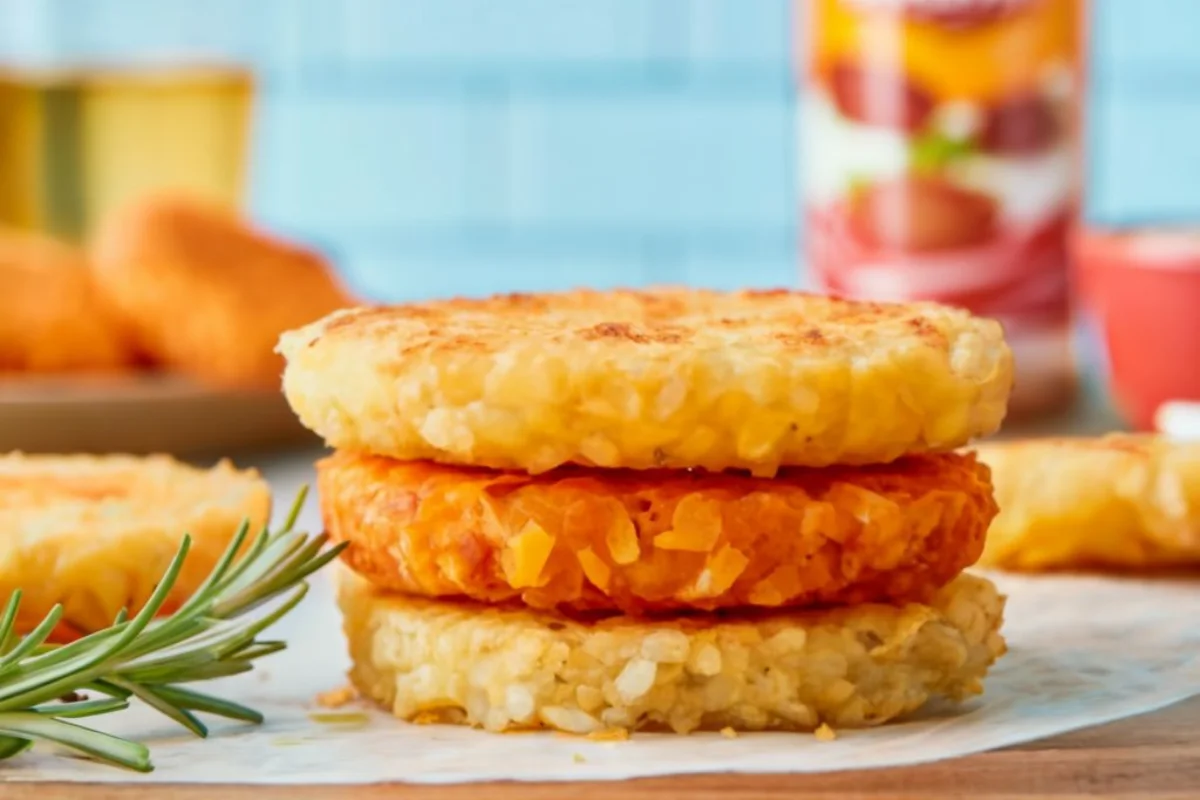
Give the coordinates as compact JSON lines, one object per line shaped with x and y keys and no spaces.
{"x":140,"y":414}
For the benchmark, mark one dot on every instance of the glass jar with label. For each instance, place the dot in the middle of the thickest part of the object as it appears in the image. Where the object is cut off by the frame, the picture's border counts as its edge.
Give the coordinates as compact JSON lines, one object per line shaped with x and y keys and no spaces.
{"x":941,"y":163}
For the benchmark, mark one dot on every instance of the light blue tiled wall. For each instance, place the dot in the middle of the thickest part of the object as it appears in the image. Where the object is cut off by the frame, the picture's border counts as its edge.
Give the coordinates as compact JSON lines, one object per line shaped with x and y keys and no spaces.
{"x":451,"y":146}
{"x":1145,"y":134}
{"x":469,"y":145}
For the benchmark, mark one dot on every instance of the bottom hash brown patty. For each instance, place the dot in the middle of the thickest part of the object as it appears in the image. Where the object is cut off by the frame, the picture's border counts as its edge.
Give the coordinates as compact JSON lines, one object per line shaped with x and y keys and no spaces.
{"x":504,"y":668}
{"x":644,"y":542}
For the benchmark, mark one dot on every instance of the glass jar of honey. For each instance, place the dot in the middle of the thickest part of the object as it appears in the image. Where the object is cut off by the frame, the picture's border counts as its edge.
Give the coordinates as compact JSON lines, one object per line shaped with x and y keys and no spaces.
{"x":77,"y":143}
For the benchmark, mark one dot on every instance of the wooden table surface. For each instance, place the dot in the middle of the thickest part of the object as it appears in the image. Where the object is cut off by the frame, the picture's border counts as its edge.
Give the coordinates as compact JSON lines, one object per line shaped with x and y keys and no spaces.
{"x":1155,"y":756}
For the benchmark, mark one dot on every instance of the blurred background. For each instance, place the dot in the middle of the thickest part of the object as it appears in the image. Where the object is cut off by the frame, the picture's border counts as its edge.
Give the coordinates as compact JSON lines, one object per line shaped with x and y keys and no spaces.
{"x":441,"y":147}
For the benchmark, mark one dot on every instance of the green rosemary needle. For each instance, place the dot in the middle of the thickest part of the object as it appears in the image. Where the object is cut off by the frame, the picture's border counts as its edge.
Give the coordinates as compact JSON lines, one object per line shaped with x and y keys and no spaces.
{"x":212,"y":635}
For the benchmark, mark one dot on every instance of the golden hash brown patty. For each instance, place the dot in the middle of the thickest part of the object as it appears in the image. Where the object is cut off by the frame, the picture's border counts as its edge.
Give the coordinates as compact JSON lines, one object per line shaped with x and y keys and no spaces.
{"x":52,"y":318}
{"x":504,"y":668}
{"x":96,"y":533}
{"x":1116,"y":502}
{"x":207,"y":295}
{"x":644,"y":542}
{"x":667,"y":378}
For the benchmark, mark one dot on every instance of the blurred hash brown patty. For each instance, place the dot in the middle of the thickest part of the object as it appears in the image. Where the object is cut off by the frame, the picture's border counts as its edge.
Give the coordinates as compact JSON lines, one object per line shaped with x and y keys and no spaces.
{"x":96,"y":533}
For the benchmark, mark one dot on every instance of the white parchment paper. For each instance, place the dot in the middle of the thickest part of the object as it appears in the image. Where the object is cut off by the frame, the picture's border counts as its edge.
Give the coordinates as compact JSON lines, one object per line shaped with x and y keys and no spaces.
{"x":1083,"y":651}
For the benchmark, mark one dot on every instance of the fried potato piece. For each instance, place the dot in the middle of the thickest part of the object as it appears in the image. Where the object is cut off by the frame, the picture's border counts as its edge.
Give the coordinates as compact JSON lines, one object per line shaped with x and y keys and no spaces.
{"x":670,"y":378}
{"x":1117,"y":502}
{"x":96,"y":533}
{"x":505,"y":668}
{"x":647,"y":542}
{"x":52,"y":319}
{"x":207,"y":295}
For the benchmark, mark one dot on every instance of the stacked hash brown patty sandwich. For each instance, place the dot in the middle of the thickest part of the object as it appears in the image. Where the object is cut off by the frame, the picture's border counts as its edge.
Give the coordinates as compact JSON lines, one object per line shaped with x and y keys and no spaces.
{"x":665,"y":509}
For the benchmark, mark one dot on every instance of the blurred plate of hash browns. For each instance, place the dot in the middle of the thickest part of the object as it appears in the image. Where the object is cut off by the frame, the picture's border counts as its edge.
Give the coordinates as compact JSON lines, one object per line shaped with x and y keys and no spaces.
{"x":158,"y":335}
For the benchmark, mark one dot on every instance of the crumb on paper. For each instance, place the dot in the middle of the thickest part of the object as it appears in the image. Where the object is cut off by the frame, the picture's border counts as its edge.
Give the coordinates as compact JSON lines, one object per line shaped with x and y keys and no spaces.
{"x":606,"y":736}
{"x":728,"y":732}
{"x":351,"y":719}
{"x":824,"y":733}
{"x":336,"y":698}
{"x":287,"y":741}
{"x":578,"y":758}
{"x":609,"y":735}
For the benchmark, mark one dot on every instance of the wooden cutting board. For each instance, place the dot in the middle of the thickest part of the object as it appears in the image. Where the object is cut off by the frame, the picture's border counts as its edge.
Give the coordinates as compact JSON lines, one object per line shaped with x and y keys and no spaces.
{"x":1155,"y":757}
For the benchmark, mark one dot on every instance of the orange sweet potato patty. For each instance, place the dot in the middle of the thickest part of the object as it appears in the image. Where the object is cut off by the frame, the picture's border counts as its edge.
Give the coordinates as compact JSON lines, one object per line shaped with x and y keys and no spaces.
{"x":645,"y":542}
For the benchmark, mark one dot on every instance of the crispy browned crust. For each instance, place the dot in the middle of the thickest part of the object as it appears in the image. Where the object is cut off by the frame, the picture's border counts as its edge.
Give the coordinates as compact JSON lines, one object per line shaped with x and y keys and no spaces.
{"x":663,"y":378}
{"x":52,"y":319}
{"x":206,"y":294}
{"x":1116,"y":502}
{"x":659,"y":541}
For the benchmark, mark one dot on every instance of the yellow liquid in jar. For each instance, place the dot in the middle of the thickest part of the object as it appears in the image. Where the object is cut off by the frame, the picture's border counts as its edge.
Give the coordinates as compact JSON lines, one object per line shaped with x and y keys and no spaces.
{"x":75,"y":145}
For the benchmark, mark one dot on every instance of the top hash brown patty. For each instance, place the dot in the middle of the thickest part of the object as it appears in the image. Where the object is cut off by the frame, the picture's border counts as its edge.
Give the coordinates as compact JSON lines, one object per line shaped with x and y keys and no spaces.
{"x":667,"y":378}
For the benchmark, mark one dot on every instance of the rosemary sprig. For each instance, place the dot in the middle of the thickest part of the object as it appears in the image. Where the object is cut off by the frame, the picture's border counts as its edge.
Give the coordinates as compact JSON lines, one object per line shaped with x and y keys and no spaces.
{"x":211,"y":635}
